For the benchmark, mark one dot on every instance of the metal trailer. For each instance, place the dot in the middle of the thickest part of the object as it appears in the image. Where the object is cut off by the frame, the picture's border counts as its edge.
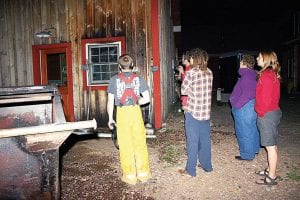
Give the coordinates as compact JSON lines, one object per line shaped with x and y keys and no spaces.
{"x":32,"y":128}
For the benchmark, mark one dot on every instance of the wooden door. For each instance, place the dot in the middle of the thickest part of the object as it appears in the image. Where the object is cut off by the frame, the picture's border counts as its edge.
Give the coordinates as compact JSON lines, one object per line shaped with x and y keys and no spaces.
{"x":54,"y":71}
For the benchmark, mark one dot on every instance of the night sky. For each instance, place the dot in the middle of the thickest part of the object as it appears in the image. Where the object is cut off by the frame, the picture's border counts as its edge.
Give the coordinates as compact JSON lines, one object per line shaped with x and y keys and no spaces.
{"x":220,"y":26}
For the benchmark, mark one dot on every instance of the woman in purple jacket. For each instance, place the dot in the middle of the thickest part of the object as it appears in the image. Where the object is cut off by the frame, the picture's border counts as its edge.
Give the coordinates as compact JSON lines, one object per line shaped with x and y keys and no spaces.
{"x":242,"y":102}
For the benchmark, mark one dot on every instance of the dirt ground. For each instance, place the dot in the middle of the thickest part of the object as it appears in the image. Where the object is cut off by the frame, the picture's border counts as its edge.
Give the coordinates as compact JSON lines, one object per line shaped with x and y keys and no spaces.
{"x":91,"y":169}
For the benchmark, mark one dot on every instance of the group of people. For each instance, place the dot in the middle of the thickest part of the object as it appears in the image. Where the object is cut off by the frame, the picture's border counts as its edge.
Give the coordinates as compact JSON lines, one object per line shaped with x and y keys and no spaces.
{"x":255,"y":106}
{"x":255,"y":109}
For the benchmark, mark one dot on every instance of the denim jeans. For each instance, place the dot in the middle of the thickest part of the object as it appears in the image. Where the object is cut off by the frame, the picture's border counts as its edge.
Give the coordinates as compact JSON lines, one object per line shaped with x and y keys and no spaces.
{"x":198,"y":144}
{"x":246,"y":130}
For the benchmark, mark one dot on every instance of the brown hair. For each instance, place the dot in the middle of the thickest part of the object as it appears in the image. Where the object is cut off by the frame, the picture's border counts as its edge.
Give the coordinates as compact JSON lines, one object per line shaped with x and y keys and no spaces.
{"x":125,"y":61}
{"x":186,"y":56}
{"x":270,"y":61}
{"x":200,"y":58}
{"x":248,"y":60}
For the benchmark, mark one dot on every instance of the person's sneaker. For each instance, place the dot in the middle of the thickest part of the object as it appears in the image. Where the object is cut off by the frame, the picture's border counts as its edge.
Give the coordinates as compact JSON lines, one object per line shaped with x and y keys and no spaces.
{"x":184,"y":172}
{"x":210,"y":170}
{"x":240,"y":158}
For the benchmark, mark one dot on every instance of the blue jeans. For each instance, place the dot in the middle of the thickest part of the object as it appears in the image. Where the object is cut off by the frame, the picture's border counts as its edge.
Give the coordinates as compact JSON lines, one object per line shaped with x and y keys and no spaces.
{"x":198,"y":144}
{"x":246,"y":130}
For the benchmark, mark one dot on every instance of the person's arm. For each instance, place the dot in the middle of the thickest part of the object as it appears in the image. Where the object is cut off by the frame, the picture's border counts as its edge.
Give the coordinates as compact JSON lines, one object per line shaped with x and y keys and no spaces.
{"x":181,"y":72}
{"x":264,"y":94}
{"x":110,"y":110}
{"x":144,"y":90}
{"x":145,"y":98}
{"x":244,"y":93}
{"x":185,"y":84}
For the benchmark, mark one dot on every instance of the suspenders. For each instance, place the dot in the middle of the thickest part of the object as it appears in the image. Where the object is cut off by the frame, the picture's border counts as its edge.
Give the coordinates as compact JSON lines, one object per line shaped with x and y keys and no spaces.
{"x":128,"y":92}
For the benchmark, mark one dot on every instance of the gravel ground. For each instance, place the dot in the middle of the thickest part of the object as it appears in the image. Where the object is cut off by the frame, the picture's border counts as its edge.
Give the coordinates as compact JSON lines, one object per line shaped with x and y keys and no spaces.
{"x":91,"y":169}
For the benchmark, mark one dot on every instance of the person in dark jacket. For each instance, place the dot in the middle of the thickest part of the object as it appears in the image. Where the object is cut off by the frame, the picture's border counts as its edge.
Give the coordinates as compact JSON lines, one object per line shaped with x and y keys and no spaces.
{"x":242,"y":100}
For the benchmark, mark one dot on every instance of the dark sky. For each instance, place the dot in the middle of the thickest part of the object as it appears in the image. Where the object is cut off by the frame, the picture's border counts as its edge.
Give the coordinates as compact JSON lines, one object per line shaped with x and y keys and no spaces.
{"x":229,"y":25}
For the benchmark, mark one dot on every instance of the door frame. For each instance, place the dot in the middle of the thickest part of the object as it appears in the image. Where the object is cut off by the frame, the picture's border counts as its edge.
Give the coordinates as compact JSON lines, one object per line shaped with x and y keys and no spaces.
{"x":37,"y":51}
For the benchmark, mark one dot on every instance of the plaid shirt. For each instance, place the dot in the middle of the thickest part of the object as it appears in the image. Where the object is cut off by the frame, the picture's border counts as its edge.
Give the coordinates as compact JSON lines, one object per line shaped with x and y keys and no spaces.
{"x":197,"y":85}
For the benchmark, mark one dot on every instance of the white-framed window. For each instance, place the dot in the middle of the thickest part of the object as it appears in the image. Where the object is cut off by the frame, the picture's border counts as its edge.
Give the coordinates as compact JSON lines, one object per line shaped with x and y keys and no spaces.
{"x":102,"y":60}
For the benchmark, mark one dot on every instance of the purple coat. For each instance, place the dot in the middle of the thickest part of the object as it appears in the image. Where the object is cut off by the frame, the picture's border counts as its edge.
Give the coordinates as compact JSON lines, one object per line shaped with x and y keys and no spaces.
{"x":244,"y":89}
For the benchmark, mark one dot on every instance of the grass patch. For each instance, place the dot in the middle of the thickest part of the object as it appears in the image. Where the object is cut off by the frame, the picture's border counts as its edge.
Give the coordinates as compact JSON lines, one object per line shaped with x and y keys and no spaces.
{"x":169,"y":130}
{"x":293,"y":175}
{"x":171,"y":154}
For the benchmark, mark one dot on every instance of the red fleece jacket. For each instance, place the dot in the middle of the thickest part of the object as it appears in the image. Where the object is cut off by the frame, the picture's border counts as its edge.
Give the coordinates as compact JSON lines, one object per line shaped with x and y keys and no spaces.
{"x":267,"y":93}
{"x":184,"y":98}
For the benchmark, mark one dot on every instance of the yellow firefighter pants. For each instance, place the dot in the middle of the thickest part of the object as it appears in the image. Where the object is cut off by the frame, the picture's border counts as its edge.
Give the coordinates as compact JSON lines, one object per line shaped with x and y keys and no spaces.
{"x":132,"y":144}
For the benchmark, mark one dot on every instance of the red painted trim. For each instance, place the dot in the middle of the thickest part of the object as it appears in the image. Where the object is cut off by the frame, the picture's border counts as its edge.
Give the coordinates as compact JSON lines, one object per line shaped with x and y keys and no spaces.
{"x":36,"y":63}
{"x":83,"y":56}
{"x":70,"y":81}
{"x":156,"y":62}
{"x":37,"y":71}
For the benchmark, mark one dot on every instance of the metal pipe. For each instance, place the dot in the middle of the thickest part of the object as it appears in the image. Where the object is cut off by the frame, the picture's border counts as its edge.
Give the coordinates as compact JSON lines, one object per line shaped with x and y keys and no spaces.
{"x":46,"y":128}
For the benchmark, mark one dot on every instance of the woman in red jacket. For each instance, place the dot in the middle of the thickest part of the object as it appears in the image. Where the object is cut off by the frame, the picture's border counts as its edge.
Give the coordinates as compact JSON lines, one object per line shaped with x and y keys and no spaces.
{"x":269,"y":113}
{"x":182,"y":72}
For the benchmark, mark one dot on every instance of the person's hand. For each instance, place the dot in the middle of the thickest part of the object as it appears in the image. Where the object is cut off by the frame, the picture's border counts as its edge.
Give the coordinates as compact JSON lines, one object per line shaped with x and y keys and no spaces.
{"x":180,"y":69}
{"x":110,"y":124}
{"x":177,"y":77}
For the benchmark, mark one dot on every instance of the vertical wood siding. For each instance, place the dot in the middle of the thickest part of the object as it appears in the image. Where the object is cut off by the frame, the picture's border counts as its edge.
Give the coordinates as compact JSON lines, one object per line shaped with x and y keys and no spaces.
{"x":166,"y":57}
{"x":74,"y":20}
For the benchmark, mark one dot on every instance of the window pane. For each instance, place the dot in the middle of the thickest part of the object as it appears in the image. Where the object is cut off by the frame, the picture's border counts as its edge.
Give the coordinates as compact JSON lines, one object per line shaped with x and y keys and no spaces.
{"x":114,"y":68}
{"x":97,"y":68}
{"x":113,"y":50}
{"x":104,"y":51}
{"x":105,"y":68}
{"x":103,"y":58}
{"x":113,"y":58}
{"x":95,"y":59}
{"x":95,"y":51}
{"x":63,"y":64}
{"x":105,"y":76}
{"x":96,"y":77}
{"x":56,"y":69}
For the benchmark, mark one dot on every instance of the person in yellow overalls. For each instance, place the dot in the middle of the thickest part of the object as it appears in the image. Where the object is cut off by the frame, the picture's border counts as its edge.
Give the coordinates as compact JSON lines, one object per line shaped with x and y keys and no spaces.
{"x":127,"y":92}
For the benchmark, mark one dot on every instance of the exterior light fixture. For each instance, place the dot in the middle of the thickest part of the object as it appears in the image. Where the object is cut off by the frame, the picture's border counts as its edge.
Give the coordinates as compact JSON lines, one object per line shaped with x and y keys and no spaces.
{"x":46,"y":33}
{"x":43,"y":34}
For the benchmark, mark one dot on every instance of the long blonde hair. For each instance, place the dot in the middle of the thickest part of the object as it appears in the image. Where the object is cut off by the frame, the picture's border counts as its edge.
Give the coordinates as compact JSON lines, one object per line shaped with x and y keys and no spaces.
{"x":270,"y":61}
